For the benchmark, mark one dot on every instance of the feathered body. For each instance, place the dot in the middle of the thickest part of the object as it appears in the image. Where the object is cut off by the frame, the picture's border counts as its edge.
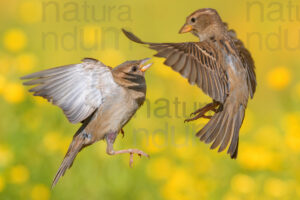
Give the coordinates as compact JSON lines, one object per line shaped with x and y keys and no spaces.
{"x":221,"y":66}
{"x":101,"y":98}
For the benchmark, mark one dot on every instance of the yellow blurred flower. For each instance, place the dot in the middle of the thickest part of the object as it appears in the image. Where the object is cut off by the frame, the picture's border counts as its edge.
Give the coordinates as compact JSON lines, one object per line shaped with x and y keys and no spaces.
{"x":14,"y":40}
{"x":275,"y":188}
{"x":243,"y":184}
{"x":91,"y":36}
{"x":25,"y":62}
{"x":159,"y":168}
{"x":14,"y":93}
{"x":40,"y":192}
{"x":30,"y":11}
{"x":111,"y":57}
{"x":2,"y":183}
{"x":279,"y":78}
{"x":19,"y":174}
{"x":179,"y":186}
{"x":6,"y":155}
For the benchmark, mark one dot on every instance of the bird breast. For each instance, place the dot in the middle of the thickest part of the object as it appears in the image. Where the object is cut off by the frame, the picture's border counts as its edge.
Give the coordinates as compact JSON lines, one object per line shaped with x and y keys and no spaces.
{"x":116,"y":111}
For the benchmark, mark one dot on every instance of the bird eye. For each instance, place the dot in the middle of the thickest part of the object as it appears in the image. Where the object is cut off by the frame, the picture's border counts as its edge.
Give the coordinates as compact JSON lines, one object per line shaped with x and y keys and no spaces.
{"x":193,"y":20}
{"x":134,"y":68}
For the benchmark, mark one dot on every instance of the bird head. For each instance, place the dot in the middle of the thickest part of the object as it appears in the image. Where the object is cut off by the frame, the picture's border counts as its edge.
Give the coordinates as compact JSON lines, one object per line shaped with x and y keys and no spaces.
{"x":131,"y":75}
{"x":133,"y":67}
{"x":204,"y":23}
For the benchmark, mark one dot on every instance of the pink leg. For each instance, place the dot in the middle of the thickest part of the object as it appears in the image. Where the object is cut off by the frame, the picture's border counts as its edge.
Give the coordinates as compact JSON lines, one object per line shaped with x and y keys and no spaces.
{"x":110,"y":139}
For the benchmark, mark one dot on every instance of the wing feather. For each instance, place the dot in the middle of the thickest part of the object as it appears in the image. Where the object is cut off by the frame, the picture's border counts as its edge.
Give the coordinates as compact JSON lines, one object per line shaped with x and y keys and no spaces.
{"x":208,"y":72}
{"x":78,"y":89}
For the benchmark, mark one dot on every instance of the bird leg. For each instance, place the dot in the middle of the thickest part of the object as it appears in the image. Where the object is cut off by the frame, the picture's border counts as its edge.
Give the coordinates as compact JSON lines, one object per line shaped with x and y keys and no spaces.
{"x":200,"y":113}
{"x":110,"y":139}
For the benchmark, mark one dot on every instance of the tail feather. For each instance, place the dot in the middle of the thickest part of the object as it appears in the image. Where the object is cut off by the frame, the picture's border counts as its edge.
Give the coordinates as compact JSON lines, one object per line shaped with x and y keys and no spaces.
{"x":74,"y":148}
{"x":208,"y":133}
{"x":235,"y":140}
{"x":220,"y":131}
{"x":223,"y":128}
{"x":227,"y":138}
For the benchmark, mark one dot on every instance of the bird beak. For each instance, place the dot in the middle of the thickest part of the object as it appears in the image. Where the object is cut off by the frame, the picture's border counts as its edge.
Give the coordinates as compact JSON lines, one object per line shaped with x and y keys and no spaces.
{"x":143,"y":66}
{"x":186,"y":28}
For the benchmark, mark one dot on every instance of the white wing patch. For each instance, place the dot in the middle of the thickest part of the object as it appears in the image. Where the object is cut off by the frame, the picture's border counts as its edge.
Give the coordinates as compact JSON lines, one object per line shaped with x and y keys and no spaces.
{"x":77,"y":89}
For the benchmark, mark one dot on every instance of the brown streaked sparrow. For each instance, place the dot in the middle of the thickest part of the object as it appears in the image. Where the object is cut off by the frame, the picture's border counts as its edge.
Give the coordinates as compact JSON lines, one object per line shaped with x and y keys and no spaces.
{"x":101,"y":98}
{"x":221,"y":66}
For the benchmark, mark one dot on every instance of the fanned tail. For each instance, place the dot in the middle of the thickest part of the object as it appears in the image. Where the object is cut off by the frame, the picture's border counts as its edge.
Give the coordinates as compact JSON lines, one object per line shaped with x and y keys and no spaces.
{"x":224,"y":127}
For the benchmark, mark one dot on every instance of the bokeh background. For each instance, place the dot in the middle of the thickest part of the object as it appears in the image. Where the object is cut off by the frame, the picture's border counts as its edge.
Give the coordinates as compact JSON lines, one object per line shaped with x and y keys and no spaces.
{"x":34,"y":135}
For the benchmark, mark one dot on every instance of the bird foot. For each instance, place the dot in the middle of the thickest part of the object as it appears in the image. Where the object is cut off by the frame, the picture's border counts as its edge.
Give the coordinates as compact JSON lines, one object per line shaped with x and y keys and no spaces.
{"x":200,"y":113}
{"x":131,"y":152}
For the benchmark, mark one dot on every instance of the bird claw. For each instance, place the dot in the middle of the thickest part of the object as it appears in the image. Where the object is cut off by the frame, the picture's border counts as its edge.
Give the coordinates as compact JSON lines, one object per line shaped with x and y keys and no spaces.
{"x":135,"y":151}
{"x":200,"y":115}
{"x":192,"y":114}
{"x":201,"y":112}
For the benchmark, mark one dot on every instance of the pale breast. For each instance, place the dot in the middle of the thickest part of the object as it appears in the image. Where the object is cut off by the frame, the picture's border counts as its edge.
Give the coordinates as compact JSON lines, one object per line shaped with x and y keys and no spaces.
{"x":113,"y":115}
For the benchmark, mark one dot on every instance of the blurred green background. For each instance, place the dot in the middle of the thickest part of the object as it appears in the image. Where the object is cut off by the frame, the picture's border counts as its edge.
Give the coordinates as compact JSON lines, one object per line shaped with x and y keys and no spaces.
{"x":34,"y":135}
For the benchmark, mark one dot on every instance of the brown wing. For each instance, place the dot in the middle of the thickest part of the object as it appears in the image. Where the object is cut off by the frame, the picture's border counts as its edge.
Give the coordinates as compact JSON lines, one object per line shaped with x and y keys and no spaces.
{"x":247,"y":61}
{"x":196,"y":61}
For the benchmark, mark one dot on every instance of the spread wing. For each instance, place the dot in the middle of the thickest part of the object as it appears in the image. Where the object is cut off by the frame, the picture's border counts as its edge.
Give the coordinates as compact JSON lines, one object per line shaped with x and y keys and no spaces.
{"x":78,"y":89}
{"x":247,"y":61}
{"x":196,"y":61}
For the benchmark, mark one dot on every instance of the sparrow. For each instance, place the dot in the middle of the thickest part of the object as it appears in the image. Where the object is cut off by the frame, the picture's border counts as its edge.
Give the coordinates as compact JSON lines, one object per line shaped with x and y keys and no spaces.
{"x":102,"y":98}
{"x":221,"y":66}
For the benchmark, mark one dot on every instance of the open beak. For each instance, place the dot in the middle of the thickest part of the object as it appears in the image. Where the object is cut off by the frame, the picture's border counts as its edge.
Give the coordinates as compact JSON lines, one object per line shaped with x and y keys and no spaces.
{"x":143,"y":66}
{"x":186,"y":28}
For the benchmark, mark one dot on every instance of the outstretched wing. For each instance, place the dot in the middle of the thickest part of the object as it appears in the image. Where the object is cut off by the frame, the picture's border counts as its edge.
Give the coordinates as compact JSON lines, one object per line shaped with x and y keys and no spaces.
{"x":78,"y":89}
{"x":196,"y":61}
{"x":247,"y":61}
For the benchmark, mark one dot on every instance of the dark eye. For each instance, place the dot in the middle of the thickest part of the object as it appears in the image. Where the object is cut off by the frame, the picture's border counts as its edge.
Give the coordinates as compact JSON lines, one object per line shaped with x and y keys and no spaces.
{"x":193,"y":20}
{"x":134,"y":68}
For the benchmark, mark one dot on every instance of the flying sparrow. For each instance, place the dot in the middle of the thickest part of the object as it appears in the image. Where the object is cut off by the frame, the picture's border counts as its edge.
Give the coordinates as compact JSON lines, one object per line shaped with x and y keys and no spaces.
{"x":101,"y":98}
{"x":221,"y":66}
